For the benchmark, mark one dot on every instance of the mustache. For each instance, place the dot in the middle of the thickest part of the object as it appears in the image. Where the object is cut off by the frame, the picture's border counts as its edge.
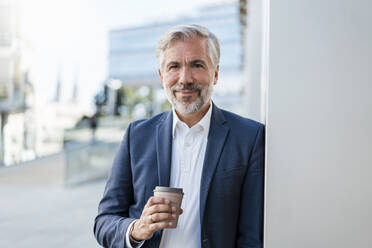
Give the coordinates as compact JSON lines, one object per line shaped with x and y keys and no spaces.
{"x":187,"y":86}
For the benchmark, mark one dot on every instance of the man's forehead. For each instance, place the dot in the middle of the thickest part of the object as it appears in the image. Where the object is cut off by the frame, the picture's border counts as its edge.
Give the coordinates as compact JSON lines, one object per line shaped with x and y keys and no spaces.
{"x":195,"y":48}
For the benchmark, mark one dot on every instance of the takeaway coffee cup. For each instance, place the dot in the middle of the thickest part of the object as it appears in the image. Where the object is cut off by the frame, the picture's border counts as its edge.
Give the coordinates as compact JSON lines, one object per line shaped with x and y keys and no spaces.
{"x":174,"y":195}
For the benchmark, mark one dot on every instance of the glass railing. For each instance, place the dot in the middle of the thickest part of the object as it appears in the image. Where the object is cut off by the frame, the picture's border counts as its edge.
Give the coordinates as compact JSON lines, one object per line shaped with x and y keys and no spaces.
{"x":89,"y":161}
{"x":89,"y":154}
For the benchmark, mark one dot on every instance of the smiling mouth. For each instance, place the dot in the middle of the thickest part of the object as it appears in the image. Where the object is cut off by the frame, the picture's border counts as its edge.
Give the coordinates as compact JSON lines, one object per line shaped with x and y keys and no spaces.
{"x":186,"y":92}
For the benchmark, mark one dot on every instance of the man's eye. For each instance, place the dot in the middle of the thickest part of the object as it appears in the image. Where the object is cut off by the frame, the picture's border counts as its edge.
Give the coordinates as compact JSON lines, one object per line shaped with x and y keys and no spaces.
{"x":199,"y":65}
{"x":173,"y":67}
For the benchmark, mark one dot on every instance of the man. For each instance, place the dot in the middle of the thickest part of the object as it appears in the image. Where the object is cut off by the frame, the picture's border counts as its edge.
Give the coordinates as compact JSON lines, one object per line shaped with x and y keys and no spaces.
{"x":217,"y":157}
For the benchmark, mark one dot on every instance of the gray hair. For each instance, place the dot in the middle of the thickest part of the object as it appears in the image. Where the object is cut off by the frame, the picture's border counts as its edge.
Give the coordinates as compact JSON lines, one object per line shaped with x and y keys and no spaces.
{"x":186,"y":32}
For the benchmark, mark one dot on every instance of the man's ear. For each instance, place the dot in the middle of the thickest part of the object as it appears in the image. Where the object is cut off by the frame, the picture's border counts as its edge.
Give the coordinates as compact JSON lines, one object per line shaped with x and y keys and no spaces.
{"x":161,"y":77}
{"x":216,"y":71}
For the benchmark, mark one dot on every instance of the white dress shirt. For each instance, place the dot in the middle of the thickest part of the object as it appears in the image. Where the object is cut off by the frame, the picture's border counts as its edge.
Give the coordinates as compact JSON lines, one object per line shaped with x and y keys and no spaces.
{"x":188,"y":151}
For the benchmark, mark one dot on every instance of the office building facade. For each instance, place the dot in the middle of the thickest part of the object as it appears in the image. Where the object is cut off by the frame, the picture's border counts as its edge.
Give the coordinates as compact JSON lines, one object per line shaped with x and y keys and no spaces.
{"x":132,"y":58}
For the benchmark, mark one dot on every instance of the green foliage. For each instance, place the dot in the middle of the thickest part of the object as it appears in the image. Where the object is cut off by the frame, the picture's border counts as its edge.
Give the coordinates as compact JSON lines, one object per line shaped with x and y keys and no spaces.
{"x":134,"y":95}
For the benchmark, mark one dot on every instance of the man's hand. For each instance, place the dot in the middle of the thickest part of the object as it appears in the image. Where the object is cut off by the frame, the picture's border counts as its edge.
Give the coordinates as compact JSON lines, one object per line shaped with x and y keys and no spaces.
{"x":156,"y":215}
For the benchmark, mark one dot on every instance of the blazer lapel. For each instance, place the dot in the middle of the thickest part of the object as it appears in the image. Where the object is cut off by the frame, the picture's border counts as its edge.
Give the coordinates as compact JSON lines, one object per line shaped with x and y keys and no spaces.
{"x":164,"y":149}
{"x":216,"y":139}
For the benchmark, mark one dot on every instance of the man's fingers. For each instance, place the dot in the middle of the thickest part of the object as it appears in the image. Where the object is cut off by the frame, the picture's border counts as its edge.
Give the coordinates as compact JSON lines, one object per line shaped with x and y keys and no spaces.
{"x":159,"y":208}
{"x":148,"y":219}
{"x":160,"y":225}
{"x":158,"y":214}
{"x":159,"y":217}
{"x":156,"y":200}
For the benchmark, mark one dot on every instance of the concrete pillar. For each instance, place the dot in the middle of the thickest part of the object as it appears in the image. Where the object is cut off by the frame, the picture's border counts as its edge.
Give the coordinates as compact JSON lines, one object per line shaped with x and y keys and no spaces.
{"x":253,"y":61}
{"x":319,"y":124}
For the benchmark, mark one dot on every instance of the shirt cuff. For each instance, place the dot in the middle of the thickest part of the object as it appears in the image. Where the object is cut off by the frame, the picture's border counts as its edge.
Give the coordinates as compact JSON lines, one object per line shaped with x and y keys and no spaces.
{"x":127,"y":238}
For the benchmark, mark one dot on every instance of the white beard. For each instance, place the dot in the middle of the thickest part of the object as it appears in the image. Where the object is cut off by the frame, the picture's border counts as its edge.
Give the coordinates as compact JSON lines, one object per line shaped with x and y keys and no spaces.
{"x":188,"y":108}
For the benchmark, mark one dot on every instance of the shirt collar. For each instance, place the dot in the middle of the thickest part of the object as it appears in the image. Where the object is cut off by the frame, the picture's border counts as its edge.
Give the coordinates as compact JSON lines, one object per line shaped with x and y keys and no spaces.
{"x":204,"y":122}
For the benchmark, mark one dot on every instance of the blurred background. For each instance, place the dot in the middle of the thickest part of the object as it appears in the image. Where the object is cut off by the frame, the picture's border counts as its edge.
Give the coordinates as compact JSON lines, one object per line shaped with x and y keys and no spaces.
{"x":68,"y":65}
{"x":73,"y":75}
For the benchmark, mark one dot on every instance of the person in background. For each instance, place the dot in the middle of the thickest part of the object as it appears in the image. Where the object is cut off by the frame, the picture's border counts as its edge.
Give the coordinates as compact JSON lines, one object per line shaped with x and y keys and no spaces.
{"x":93,"y":125}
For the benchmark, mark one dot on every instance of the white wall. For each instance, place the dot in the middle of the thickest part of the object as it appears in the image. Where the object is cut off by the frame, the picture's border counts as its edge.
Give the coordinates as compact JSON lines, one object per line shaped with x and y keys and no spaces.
{"x":253,"y":62}
{"x":319,"y":124}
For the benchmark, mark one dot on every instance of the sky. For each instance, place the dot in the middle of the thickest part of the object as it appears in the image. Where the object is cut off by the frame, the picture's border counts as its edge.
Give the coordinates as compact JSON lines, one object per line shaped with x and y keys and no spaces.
{"x":70,"y":37}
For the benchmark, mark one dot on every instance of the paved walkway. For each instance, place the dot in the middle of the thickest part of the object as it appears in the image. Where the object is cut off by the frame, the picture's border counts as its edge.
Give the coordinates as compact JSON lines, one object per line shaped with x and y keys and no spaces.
{"x":47,"y":216}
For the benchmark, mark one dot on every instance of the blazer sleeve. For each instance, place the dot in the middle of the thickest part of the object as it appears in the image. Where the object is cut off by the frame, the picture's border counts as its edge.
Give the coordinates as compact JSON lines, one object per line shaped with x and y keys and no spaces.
{"x":250,"y":230}
{"x":113,"y":219}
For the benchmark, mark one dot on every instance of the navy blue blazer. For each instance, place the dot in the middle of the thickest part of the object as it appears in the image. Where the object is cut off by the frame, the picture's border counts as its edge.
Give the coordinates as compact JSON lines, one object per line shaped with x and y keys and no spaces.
{"x":231,"y":190}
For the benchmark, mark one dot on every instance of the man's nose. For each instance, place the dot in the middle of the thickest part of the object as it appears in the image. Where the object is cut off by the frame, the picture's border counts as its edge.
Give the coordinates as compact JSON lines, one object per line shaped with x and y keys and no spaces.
{"x":185,"y":75}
